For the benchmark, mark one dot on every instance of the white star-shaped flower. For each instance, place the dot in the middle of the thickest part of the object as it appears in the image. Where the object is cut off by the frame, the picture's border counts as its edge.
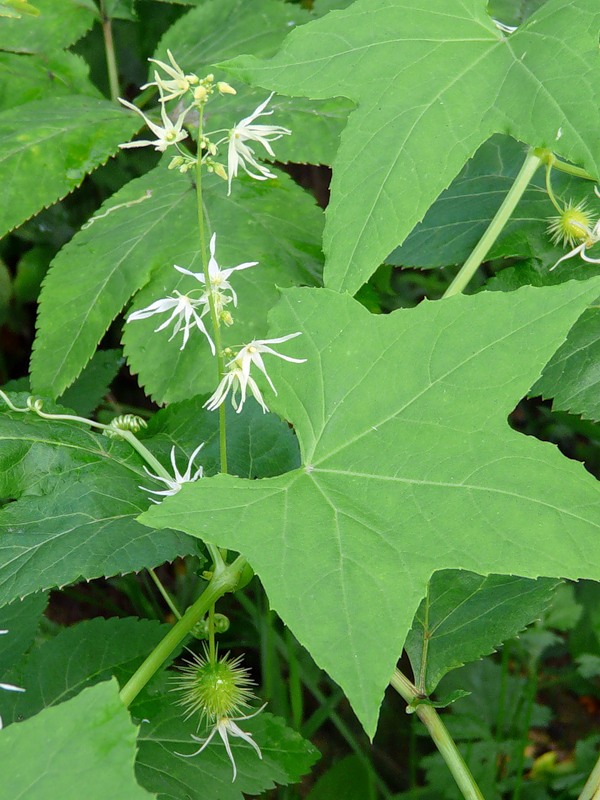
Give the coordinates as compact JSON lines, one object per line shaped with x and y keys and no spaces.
{"x":179,"y":84}
{"x":238,"y":377}
{"x":169,"y":134}
{"x":241,"y":154}
{"x":219,"y":278}
{"x":174,"y":484}
{"x":226,"y":727}
{"x":9,"y":687}
{"x":184,"y":314}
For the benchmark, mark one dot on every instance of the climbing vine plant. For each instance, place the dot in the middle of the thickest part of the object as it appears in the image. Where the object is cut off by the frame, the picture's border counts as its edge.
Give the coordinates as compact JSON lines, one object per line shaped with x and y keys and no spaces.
{"x":306,"y":438}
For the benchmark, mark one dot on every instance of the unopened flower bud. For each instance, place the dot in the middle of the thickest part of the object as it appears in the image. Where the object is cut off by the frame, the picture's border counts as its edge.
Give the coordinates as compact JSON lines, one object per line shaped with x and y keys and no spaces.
{"x":176,"y":162}
{"x":225,"y":88}
{"x":200,"y":94}
{"x":226,"y":318}
{"x":220,"y":170}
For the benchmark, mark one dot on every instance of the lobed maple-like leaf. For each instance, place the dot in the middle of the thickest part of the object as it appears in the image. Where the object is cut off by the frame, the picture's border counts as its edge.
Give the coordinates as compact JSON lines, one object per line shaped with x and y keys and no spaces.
{"x":432,"y":80}
{"x":408,"y":467}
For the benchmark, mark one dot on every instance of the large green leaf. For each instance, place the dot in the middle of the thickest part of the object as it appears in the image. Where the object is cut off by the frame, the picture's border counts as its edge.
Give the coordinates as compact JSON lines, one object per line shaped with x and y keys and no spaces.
{"x":21,"y":619}
{"x":59,"y":24}
{"x":78,"y":657}
{"x":466,"y":616}
{"x":75,"y":498}
{"x":154,"y":225}
{"x":48,"y":147}
{"x":76,"y":493}
{"x":25,"y":78}
{"x":433,"y":79}
{"x":408,"y":467}
{"x":85,"y":744}
{"x":256,"y":28}
{"x":286,"y":757}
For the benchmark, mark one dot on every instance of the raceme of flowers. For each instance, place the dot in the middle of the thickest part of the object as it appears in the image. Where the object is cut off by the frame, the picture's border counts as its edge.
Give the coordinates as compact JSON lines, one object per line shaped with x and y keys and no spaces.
{"x":177,"y":85}
{"x":187,"y":313}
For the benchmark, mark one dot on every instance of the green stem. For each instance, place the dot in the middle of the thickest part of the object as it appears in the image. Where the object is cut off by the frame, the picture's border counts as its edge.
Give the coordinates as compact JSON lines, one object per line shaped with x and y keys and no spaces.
{"x":440,"y":736}
{"x":472,"y":264}
{"x":36,"y":407}
{"x":211,"y":301}
{"x":166,"y":596}
{"x":570,"y":169}
{"x":111,"y":59}
{"x":220,"y":584}
{"x":591,"y":790}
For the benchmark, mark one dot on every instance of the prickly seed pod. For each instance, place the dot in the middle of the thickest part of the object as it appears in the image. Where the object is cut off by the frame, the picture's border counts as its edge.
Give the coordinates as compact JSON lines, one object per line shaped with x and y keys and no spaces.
{"x":125,"y":422}
{"x":572,"y":225}
{"x":215,"y":689}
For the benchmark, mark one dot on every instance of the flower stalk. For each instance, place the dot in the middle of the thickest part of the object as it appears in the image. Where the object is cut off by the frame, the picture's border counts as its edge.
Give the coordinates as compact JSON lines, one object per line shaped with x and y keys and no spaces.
{"x":222,"y":582}
{"x":472,"y":264}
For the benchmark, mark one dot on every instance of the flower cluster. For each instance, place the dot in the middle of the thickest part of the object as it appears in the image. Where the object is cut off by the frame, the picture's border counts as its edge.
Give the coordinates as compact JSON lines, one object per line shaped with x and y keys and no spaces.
{"x":238,"y":378}
{"x":188,"y":310}
{"x":8,"y":687}
{"x":219,"y":690}
{"x":176,"y":85}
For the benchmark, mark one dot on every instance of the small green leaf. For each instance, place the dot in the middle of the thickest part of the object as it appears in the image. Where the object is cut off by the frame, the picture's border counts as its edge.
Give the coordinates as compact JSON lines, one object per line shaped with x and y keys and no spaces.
{"x":48,"y":147}
{"x":86,"y":743}
{"x":59,"y":24}
{"x":443,"y":702}
{"x":467,"y":616}
{"x":160,"y":768}
{"x":78,"y":657}
{"x":408,"y":467}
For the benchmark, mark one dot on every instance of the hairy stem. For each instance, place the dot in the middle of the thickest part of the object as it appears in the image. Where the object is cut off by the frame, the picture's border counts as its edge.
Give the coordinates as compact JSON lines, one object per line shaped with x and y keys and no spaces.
{"x":440,"y":736}
{"x":472,"y":264}
{"x":220,"y":584}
